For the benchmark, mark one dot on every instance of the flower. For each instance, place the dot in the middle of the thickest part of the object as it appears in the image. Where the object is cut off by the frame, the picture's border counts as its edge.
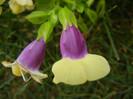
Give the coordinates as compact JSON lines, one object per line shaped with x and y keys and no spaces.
{"x":18,"y":6}
{"x":29,"y":61}
{"x":77,"y":65}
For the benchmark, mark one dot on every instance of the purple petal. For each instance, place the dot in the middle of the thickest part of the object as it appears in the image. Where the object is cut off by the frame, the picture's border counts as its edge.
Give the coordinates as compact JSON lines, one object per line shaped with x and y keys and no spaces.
{"x":72,"y":43}
{"x":32,"y":56}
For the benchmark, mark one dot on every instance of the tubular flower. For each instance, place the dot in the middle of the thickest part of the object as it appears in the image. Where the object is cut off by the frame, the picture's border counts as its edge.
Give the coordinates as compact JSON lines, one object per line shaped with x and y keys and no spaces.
{"x":18,"y":6}
{"x":29,"y":61}
{"x":77,"y":65}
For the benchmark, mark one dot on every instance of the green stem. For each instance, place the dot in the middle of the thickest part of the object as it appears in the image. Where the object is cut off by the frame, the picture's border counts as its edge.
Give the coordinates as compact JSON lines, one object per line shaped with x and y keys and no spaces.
{"x":90,"y":29}
{"x":68,"y":1}
{"x":111,"y":40}
{"x":57,"y":7}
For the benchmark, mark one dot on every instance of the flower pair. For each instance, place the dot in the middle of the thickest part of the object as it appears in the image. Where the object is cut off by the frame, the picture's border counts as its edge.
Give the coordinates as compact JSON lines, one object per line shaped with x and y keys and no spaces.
{"x":76,"y":66}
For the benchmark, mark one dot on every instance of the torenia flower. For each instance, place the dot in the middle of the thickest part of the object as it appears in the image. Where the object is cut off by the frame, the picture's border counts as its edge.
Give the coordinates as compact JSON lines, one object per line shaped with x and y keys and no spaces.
{"x":29,"y":61}
{"x":18,"y":6}
{"x":77,"y":65}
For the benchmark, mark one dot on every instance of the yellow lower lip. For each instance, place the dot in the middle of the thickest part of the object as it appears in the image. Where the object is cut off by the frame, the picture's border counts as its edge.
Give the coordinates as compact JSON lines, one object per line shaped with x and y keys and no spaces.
{"x":16,"y":70}
{"x":19,"y":70}
{"x":74,"y":72}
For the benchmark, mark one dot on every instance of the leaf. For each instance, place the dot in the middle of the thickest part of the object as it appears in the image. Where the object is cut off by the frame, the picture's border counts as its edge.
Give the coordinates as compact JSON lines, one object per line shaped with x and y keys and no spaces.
{"x":45,"y":5}
{"x":2,"y":1}
{"x":90,"y":2}
{"x":0,"y":10}
{"x":100,"y":8}
{"x":45,"y":30}
{"x":70,"y":17}
{"x":38,"y":17}
{"x":62,"y":18}
{"x":92,"y":15}
{"x":67,"y":17}
{"x":83,"y":27}
{"x":80,"y":8}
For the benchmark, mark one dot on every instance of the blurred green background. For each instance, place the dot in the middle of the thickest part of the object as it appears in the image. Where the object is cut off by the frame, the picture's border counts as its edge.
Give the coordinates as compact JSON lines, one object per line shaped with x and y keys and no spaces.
{"x":16,"y":33}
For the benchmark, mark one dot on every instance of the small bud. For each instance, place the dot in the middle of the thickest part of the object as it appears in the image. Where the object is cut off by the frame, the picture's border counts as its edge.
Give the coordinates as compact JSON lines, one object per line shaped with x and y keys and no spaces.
{"x":53,"y":18}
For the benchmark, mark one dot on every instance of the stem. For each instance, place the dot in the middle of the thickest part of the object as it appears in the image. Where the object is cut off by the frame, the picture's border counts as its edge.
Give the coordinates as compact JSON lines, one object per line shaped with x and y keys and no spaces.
{"x":68,"y":1}
{"x":90,"y":28}
{"x":57,"y":7}
{"x":111,"y":40}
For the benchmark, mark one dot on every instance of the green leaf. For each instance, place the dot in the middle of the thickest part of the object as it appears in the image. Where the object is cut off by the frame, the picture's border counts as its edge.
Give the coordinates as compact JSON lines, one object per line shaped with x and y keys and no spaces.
{"x":0,"y":10}
{"x":45,"y":5}
{"x":2,"y":1}
{"x":80,"y":8}
{"x":69,"y":1}
{"x":92,"y":15}
{"x":45,"y":30}
{"x":38,"y":17}
{"x":62,"y":18}
{"x":83,"y":27}
{"x":69,"y":15}
{"x":100,"y":8}
{"x":90,"y":2}
{"x":66,"y":17}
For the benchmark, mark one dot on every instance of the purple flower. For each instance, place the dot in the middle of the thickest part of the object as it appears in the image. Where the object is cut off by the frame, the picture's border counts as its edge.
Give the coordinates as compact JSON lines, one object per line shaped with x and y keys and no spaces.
{"x":29,"y":61}
{"x":76,"y":65}
{"x":72,"y":43}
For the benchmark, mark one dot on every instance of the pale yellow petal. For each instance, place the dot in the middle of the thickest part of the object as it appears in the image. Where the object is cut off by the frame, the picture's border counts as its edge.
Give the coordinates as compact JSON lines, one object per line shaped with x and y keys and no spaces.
{"x":31,"y":7}
{"x":77,"y":71}
{"x":55,"y":81}
{"x":38,"y":76}
{"x":25,"y":2}
{"x":20,"y":66}
{"x":2,"y":1}
{"x":7,"y":64}
{"x":15,"y":7}
{"x":69,"y":71}
{"x":37,"y":79}
{"x":96,"y":66}
{"x":15,"y":68}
